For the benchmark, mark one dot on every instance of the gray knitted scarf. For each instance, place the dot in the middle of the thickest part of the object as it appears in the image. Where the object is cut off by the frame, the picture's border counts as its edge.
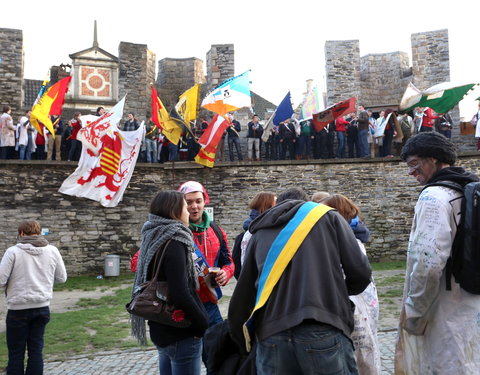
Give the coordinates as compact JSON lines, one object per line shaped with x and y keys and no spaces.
{"x":155,"y":233}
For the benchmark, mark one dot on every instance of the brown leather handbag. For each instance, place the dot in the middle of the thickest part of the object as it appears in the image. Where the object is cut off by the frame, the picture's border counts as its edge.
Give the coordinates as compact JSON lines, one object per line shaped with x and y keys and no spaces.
{"x":152,"y":301}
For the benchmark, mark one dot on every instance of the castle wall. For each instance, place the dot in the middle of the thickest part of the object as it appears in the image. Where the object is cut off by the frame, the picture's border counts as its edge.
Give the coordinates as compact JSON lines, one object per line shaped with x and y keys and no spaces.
{"x":137,"y":73}
{"x":85,"y":232}
{"x":11,"y":70}
{"x":342,"y":68}
{"x":220,"y":64}
{"x":430,"y":58}
{"x":384,"y":78}
{"x":175,"y":76}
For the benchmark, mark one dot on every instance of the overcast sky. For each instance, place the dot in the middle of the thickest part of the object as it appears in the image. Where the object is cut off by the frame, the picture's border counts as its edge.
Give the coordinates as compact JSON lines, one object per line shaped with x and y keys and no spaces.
{"x":281,"y":42}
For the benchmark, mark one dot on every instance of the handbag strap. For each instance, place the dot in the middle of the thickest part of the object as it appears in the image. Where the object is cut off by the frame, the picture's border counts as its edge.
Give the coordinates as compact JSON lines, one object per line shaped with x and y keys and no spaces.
{"x":156,"y":266}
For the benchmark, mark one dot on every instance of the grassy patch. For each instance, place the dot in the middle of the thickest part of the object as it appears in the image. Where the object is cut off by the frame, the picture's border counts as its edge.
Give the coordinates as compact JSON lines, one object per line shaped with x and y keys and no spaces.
{"x":103,"y":325}
{"x":386,"y":266}
{"x":390,"y":280}
{"x":391,"y":293}
{"x":87,"y":283}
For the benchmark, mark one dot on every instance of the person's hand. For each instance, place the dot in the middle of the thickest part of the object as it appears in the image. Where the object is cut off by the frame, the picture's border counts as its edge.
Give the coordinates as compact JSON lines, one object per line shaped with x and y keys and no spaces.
{"x":221,"y":278}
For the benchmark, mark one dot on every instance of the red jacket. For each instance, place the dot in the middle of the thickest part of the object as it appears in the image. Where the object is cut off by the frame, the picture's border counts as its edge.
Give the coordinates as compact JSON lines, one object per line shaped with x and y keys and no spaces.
{"x":76,"y":126}
{"x":209,"y":245}
{"x":429,"y":118}
{"x":340,"y":124}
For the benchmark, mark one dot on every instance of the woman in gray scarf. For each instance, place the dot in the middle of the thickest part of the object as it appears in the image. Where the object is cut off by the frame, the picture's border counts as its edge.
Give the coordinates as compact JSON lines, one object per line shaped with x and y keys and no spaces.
{"x":179,"y":349}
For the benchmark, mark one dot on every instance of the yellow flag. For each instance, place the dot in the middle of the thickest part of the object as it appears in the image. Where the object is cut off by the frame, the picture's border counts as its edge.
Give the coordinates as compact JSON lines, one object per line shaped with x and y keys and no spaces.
{"x":162,"y":119}
{"x":188,"y":103}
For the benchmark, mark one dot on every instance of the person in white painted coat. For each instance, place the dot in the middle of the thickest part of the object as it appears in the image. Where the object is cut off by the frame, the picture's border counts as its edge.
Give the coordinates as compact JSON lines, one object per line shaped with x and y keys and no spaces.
{"x":28,"y":271}
{"x":439,"y":329}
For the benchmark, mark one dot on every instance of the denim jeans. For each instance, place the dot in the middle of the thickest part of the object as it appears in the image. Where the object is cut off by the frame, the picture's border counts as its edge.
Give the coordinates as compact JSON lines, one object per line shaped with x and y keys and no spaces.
{"x":151,"y":150}
{"x":25,"y":329}
{"x":21,"y":152}
{"x":363,"y":143}
{"x":74,"y":146}
{"x":341,"y":144}
{"x":253,"y":145}
{"x":309,"y":348}
{"x":181,"y":358}
{"x":172,"y":152}
{"x":234,"y":142}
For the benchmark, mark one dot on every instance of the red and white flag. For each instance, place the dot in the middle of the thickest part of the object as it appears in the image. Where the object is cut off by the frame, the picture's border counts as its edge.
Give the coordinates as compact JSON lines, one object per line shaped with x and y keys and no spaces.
{"x":107,"y":161}
{"x":210,"y":140}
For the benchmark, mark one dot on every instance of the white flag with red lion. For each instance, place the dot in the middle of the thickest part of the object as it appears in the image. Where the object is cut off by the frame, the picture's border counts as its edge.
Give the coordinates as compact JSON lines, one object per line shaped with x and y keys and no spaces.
{"x":107,"y":161}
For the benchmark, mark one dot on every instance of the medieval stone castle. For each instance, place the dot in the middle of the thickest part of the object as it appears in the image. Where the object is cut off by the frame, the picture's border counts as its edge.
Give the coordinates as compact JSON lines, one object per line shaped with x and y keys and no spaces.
{"x":101,"y":78}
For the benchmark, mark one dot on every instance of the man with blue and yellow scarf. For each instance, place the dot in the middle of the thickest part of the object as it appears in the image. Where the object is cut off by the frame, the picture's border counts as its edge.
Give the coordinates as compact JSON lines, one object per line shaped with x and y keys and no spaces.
{"x":302,"y":263}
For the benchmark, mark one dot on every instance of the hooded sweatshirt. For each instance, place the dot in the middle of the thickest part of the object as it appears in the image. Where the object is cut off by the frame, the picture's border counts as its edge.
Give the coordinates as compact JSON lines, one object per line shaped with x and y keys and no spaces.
{"x":28,"y":270}
{"x":327,"y":268}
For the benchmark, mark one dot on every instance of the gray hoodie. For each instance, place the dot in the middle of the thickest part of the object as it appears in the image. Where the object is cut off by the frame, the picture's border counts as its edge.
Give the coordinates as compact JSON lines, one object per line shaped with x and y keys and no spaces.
{"x":28,"y":272}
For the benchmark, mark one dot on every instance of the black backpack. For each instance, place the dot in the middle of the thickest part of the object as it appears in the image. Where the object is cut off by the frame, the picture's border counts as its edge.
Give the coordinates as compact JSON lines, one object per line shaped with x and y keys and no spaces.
{"x":464,"y":261}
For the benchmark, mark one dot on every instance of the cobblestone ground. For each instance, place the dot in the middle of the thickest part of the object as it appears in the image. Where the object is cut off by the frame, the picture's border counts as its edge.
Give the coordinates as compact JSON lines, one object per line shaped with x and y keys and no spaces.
{"x":143,"y":362}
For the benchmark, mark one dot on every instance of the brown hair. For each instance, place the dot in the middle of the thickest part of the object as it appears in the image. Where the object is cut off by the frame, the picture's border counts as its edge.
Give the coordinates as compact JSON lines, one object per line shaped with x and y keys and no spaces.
{"x":29,"y":227}
{"x":343,"y":205}
{"x":319,"y":196}
{"x":262,"y":201}
{"x":167,"y":204}
{"x":6,"y":108}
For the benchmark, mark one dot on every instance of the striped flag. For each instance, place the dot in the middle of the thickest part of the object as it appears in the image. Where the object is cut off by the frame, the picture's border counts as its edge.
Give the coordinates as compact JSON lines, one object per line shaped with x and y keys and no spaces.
{"x":210,"y":139}
{"x":50,"y":103}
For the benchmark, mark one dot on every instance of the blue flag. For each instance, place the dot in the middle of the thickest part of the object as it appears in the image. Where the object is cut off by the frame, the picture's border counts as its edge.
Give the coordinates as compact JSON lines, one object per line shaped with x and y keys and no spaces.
{"x":284,"y":110}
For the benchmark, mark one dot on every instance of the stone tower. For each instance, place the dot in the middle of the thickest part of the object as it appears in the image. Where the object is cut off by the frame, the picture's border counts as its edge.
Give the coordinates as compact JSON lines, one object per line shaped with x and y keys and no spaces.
{"x":137,"y":73}
{"x":220,"y":64}
{"x":175,"y":76}
{"x":430,"y":58}
{"x":342,"y":67}
{"x":11,"y":70}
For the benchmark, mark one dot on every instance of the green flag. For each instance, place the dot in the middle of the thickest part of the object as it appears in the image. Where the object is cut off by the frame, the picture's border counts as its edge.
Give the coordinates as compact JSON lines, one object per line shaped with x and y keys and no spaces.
{"x":441,"y":98}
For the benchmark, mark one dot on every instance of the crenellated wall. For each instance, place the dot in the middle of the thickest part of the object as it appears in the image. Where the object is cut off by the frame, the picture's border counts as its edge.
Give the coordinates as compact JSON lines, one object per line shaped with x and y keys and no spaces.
{"x":85,"y":232}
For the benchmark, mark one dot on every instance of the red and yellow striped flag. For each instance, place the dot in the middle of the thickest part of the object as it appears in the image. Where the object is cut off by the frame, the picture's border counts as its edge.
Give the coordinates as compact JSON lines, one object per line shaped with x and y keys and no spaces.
{"x":50,"y":103}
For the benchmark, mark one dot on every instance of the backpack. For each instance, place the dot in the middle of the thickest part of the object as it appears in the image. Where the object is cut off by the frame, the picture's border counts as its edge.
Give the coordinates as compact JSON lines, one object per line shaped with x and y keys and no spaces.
{"x":223,"y":257}
{"x":464,"y":261}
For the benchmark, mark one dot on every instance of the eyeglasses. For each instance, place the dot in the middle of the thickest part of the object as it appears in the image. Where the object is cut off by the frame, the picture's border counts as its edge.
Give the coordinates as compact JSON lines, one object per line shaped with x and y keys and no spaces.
{"x":415,"y":165}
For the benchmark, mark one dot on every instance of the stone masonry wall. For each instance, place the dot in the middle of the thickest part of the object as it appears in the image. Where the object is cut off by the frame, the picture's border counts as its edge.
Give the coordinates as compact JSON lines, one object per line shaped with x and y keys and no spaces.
{"x":384,"y":78}
{"x":175,"y":76}
{"x":11,"y":70}
{"x":137,"y":73}
{"x":430,"y":58}
{"x":86,"y":232}
{"x":220,"y":64}
{"x":342,"y":68}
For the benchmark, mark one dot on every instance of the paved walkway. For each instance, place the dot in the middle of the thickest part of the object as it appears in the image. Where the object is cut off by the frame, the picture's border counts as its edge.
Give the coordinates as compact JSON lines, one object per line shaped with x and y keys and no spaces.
{"x":144,"y":362}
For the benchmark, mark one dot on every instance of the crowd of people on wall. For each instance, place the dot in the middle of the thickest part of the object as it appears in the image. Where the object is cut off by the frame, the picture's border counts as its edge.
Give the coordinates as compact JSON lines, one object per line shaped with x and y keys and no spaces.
{"x":355,"y":135}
